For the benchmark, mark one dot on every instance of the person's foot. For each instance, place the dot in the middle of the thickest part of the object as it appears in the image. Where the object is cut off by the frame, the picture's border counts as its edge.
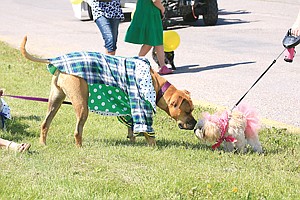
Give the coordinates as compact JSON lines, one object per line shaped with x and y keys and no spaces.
{"x":165,"y":70}
{"x":19,"y":148}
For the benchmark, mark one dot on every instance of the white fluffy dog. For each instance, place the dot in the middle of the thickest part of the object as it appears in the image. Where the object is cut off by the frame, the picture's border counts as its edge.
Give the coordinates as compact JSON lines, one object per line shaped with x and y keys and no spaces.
{"x":236,"y":129}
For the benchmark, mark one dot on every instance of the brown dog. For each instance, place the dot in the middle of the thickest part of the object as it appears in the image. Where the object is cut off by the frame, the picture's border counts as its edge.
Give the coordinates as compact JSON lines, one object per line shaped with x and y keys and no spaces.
{"x":175,"y":103}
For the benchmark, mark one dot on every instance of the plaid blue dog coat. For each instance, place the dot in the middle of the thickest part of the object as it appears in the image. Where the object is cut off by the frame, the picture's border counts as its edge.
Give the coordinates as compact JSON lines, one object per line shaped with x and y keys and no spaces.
{"x":118,"y":86}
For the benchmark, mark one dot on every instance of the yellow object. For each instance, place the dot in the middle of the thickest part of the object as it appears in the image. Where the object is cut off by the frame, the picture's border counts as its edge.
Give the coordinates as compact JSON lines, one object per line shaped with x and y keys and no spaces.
{"x":76,"y":1}
{"x":171,"y":40}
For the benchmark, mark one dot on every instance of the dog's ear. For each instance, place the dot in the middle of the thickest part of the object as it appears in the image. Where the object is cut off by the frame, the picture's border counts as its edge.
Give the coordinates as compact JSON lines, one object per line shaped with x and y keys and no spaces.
{"x":187,"y":92}
{"x":176,"y":102}
{"x":212,"y":132}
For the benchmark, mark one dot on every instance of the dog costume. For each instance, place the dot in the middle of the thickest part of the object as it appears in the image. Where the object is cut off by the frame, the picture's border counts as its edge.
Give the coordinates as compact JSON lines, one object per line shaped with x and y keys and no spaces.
{"x":222,"y":121}
{"x":118,"y":86}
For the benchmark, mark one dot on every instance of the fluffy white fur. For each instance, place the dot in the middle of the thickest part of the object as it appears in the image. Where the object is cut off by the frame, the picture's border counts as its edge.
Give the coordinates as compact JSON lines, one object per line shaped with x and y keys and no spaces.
{"x":243,"y":126}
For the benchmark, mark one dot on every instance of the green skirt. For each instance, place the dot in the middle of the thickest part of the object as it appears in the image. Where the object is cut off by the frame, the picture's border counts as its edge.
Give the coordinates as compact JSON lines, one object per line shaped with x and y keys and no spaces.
{"x":146,"y":25}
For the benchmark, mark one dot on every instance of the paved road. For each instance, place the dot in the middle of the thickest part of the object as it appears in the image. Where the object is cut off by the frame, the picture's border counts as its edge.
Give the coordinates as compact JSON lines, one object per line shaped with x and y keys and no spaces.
{"x":216,"y":64}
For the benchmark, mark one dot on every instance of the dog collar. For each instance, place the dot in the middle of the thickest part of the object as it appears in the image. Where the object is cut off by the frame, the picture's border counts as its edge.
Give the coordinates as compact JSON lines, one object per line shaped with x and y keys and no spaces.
{"x":162,"y":91}
{"x":223,"y":125}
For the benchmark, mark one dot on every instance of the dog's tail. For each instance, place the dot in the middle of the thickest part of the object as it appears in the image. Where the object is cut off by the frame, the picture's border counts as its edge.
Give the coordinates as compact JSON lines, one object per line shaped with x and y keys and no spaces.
{"x":28,"y":56}
{"x":253,"y":125}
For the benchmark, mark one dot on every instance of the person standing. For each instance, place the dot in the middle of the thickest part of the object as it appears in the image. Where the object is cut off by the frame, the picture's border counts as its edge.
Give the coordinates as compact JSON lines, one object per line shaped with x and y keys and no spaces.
{"x":108,"y":14}
{"x":146,"y":28}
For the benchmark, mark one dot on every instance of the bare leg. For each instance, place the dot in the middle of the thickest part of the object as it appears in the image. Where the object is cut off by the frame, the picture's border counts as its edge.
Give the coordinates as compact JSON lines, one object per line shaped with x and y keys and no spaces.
{"x":4,"y":143}
{"x":144,"y":50}
{"x":160,"y":55}
{"x":14,"y":146}
{"x":163,"y":69}
{"x":112,"y":53}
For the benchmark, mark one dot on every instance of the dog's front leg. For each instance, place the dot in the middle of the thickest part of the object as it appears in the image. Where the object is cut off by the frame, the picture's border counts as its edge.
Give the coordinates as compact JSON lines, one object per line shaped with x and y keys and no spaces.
{"x":255,"y":144}
{"x":150,"y":140}
{"x":130,"y":135}
{"x":228,"y":146}
{"x":241,"y":144}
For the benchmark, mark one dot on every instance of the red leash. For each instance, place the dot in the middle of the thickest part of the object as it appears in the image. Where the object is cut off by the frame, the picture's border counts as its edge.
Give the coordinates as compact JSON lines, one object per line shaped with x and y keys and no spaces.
{"x":34,"y":98}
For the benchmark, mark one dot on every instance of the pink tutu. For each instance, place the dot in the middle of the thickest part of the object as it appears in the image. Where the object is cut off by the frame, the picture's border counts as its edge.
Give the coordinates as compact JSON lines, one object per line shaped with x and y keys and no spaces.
{"x":253,"y":124}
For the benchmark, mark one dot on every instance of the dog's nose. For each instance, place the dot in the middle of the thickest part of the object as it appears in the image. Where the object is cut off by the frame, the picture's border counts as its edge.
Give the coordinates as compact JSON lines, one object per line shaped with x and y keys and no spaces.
{"x":194,"y":123}
{"x":180,"y":126}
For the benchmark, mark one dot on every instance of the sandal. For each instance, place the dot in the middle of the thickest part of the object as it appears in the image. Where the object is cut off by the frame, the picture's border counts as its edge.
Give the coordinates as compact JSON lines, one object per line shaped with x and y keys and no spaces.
{"x":19,"y":148}
{"x":165,"y":70}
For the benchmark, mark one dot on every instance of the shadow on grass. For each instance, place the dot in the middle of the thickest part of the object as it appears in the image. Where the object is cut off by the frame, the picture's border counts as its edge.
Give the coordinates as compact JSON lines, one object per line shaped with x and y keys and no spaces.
{"x":17,"y":128}
{"x":160,"y":144}
{"x":165,"y":143}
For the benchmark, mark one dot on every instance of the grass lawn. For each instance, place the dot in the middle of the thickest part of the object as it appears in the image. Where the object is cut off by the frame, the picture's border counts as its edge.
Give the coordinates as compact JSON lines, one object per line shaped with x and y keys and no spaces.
{"x":110,"y":167}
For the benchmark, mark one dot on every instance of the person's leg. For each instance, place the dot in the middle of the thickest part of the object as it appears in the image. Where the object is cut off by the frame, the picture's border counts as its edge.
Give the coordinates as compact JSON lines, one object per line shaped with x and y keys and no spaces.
{"x":163,"y":69}
{"x":105,"y":28}
{"x":144,"y":49}
{"x":160,"y":55}
{"x":115,"y":32}
{"x":4,"y":143}
{"x":14,"y":146}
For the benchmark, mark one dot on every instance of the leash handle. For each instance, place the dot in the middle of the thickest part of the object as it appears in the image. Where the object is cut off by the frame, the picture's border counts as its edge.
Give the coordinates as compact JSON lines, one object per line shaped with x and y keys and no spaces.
{"x":34,"y":98}
{"x":274,"y":61}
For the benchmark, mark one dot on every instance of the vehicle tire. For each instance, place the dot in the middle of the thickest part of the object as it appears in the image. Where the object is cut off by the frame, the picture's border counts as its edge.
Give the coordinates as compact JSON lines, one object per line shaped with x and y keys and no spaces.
{"x":90,"y":11}
{"x":165,"y":24}
{"x":190,"y":18}
{"x":211,"y":16}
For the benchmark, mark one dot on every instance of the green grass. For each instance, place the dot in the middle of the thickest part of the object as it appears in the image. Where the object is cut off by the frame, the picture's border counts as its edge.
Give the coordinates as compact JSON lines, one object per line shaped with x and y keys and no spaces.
{"x":110,"y":167}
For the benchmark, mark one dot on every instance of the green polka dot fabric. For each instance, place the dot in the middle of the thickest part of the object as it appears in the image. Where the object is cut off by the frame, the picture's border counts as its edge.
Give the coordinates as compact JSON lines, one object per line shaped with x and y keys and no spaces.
{"x":108,"y":100}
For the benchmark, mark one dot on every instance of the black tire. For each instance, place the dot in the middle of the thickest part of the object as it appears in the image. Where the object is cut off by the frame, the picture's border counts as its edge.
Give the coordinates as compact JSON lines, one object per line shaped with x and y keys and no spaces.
{"x":210,"y":18}
{"x":190,"y":18}
{"x":165,"y":25}
{"x":90,"y":12}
